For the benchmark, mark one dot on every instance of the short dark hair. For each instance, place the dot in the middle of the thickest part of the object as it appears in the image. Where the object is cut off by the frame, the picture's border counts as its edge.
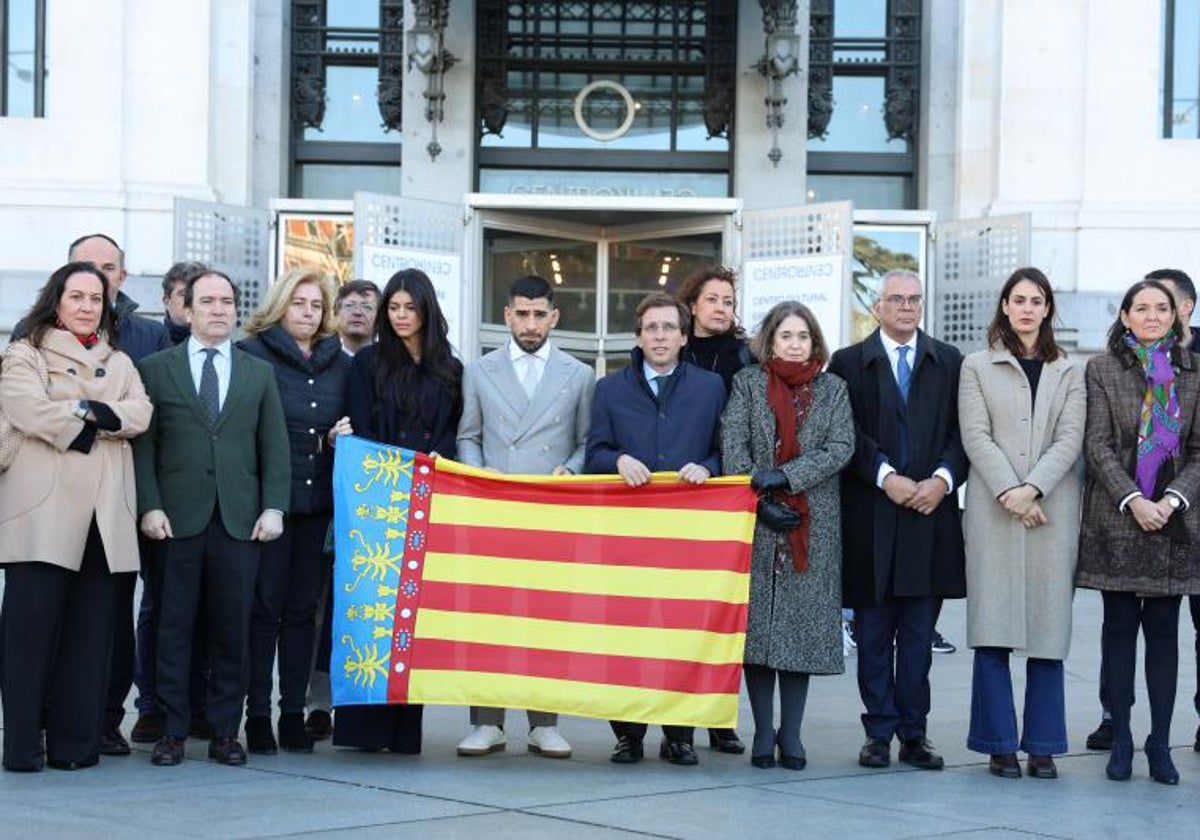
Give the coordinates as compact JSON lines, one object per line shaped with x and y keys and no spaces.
{"x":761,"y":344}
{"x":191,"y":285}
{"x":1116,"y":333}
{"x":181,"y":272}
{"x":1182,"y":282}
{"x":1000,"y":331}
{"x":531,"y":286}
{"x":356,"y":287}
{"x":71,"y":248}
{"x":657,"y":299}
{"x":44,"y":312}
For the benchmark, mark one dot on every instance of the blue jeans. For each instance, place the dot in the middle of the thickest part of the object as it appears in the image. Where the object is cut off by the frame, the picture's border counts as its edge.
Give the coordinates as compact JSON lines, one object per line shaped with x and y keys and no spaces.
{"x":994,"y":717}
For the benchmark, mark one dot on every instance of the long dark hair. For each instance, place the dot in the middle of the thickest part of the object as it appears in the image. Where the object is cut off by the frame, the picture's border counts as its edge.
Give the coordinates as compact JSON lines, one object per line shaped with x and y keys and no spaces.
{"x":1000,"y":331}
{"x":1116,"y":333}
{"x":42,"y":316}
{"x":396,"y":371}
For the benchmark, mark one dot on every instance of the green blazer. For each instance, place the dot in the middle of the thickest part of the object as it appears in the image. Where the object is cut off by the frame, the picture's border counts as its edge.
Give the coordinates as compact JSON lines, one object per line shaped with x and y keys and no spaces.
{"x":185,"y":466}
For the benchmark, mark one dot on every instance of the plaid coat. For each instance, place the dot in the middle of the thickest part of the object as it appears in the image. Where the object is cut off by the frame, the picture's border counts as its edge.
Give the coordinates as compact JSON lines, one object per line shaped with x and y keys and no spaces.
{"x":1114,"y":553}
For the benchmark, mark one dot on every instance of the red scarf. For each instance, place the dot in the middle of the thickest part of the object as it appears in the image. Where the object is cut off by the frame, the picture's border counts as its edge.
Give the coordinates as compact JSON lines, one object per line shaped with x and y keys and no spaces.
{"x":88,"y":341}
{"x":789,"y":393}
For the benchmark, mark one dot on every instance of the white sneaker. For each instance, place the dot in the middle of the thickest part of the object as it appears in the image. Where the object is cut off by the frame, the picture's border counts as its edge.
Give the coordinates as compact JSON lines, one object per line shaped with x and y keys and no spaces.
{"x":848,"y":643}
{"x":482,"y":740}
{"x":546,"y":741}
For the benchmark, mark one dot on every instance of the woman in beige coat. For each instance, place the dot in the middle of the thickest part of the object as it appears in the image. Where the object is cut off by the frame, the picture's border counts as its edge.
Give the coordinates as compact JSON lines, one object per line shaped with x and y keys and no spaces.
{"x":67,"y":528}
{"x":1022,"y":411}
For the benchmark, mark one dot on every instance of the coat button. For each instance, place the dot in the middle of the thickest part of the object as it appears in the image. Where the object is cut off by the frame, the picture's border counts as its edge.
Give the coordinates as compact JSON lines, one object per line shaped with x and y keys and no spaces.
{"x":312,"y":431}
{"x":310,"y":382}
{"x":314,"y":405}
{"x":308,"y":481}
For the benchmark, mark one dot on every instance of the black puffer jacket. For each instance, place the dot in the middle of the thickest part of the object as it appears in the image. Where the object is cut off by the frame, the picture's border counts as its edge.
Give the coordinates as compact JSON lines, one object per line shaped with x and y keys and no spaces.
{"x":313,"y":391}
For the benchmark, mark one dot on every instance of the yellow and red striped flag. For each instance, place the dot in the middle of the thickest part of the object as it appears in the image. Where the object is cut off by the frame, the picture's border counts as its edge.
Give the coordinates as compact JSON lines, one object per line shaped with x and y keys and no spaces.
{"x":574,"y":594}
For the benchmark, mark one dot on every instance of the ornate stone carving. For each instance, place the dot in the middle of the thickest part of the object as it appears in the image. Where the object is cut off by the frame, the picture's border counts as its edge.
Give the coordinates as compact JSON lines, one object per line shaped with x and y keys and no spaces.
{"x":390,"y":92}
{"x":308,"y":68}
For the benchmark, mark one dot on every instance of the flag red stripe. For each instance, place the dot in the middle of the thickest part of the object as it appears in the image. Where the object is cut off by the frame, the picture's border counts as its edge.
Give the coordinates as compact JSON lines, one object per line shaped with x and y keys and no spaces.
{"x":617,"y":610}
{"x":656,"y":674}
{"x":600,"y":549}
{"x":683,"y":496}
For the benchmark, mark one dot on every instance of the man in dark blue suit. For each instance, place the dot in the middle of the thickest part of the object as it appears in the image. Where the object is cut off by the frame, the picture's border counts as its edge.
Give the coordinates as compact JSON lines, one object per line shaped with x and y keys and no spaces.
{"x":657,"y":415}
{"x":901,"y":531}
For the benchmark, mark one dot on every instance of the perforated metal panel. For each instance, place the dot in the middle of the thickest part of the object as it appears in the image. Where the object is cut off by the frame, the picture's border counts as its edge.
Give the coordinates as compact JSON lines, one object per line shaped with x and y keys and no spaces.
{"x":797,"y":231}
{"x":972,"y":259}
{"x":395,"y":222}
{"x":233,"y":240}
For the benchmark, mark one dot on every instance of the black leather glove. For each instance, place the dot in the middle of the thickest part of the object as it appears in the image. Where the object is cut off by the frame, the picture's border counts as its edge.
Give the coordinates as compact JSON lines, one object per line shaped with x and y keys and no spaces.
{"x":777,"y":516}
{"x":766,"y":481}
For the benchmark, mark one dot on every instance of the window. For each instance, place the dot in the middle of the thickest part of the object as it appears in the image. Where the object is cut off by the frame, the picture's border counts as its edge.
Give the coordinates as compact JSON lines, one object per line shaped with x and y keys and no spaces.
{"x":1181,"y":69}
{"x":23,"y":58}
{"x":864,"y":78}
{"x":347,"y":65}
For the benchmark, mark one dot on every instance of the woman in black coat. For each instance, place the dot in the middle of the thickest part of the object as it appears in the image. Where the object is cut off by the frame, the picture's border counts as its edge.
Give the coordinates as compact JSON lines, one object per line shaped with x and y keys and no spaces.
{"x":293,"y":330}
{"x":405,"y":390}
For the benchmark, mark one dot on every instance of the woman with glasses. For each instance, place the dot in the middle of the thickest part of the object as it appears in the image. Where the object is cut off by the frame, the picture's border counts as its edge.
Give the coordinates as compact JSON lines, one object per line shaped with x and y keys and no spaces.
{"x":1139,"y":540}
{"x":1021,"y":414}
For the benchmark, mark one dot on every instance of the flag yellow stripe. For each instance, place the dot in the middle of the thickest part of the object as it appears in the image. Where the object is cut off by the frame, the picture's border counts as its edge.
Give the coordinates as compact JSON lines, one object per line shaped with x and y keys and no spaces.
{"x":446,"y":465}
{"x":584,"y":578}
{"x":571,"y":697}
{"x":695,"y":525}
{"x":609,"y":640}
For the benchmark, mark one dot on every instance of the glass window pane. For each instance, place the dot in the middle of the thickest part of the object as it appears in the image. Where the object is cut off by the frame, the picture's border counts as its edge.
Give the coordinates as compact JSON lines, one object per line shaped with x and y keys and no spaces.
{"x":857,"y":123}
{"x":20,"y":30}
{"x":352,"y":13}
{"x":351,"y":111}
{"x":874,"y":192}
{"x":859,"y":18}
{"x":322,"y":180}
{"x":569,"y":264}
{"x":1185,"y":121}
{"x":636,"y":269}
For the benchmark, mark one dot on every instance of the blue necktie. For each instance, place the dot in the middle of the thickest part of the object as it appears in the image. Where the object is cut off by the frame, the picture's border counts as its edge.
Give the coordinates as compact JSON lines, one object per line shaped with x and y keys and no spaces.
{"x":903,"y":372}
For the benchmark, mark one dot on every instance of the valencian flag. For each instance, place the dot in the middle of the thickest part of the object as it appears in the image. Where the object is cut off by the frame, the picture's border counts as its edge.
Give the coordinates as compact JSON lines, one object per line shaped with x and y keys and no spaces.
{"x":573,"y":594}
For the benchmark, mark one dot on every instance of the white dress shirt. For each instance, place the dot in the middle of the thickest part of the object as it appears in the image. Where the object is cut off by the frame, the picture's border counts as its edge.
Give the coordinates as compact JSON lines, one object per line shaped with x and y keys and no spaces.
{"x":892,"y":348}
{"x":650,"y":373}
{"x":529,"y":364}
{"x":196,"y":356}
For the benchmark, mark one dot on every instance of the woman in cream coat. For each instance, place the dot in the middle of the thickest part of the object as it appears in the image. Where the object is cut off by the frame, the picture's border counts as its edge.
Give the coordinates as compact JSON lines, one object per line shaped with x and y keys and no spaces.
{"x":67,"y":506}
{"x":1021,"y":414}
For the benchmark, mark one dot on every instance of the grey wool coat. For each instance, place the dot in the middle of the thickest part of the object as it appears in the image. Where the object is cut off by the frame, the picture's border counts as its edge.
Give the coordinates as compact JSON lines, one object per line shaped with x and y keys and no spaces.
{"x":794,"y":619}
{"x":1114,"y":553}
{"x":1020,"y":583}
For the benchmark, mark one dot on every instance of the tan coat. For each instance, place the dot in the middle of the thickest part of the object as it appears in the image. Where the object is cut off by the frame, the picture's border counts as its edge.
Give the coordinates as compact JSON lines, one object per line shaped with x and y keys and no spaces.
{"x":1020,"y":583}
{"x":49,"y":494}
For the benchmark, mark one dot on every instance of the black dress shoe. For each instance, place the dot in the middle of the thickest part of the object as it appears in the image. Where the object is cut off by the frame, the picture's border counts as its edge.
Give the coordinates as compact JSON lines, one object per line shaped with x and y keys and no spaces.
{"x":58,"y":764}
{"x":1162,"y":769}
{"x":627,"y":751}
{"x":763,"y":762}
{"x":1005,"y":766}
{"x":1041,"y":767}
{"x":167,"y":752}
{"x":226,"y":751}
{"x":876,"y":752}
{"x":148,"y":729}
{"x":260,"y":740}
{"x":319,"y":725}
{"x":677,"y":752}
{"x":1102,"y":738}
{"x":793,"y":762}
{"x":726,"y":741}
{"x":112,"y":742}
{"x":292,"y":735}
{"x":919,"y":753}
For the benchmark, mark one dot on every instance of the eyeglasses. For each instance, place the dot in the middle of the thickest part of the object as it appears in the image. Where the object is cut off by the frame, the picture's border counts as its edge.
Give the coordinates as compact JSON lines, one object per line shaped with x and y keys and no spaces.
{"x":655,"y":327}
{"x":355,"y":306}
{"x":899,"y":300}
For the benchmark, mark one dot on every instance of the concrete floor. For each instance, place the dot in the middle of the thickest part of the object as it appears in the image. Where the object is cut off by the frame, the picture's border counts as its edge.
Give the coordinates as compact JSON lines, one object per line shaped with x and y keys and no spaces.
{"x":515,"y":794}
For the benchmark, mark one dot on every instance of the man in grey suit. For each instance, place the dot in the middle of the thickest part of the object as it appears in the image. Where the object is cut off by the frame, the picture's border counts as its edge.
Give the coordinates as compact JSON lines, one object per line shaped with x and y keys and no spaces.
{"x":527,"y":407}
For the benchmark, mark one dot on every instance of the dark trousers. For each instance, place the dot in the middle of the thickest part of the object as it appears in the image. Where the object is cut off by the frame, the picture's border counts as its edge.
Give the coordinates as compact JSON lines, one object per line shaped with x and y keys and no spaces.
{"x":894,"y":657}
{"x":1158,"y":618}
{"x":214,"y":570}
{"x":120,"y":674}
{"x":994,"y":716}
{"x":290,"y":576}
{"x":396,"y":728}
{"x":637,"y":731}
{"x":58,"y":631}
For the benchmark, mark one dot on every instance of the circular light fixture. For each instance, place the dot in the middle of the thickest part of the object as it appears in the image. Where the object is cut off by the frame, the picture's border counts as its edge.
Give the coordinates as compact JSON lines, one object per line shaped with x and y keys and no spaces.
{"x":631,"y":108}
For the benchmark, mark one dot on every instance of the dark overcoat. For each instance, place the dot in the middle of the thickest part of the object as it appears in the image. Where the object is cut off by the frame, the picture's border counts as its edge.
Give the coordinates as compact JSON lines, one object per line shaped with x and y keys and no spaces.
{"x":888,"y":550}
{"x":1114,"y":553}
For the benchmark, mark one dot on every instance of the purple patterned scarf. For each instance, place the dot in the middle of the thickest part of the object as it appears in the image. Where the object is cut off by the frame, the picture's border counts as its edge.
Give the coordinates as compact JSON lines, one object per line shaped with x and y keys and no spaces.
{"x":1158,"y":432}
